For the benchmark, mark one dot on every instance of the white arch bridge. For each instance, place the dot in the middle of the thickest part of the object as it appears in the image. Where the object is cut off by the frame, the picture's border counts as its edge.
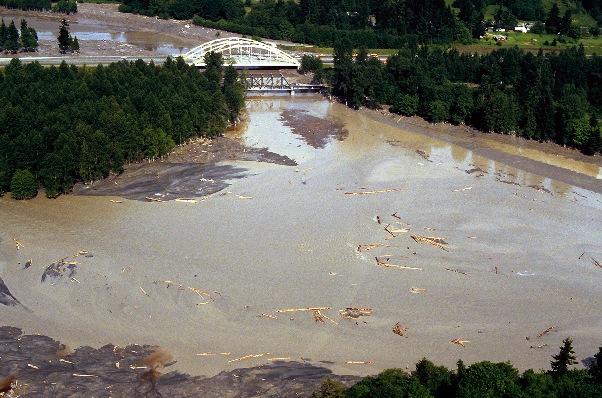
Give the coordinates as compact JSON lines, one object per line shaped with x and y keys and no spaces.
{"x":242,"y":53}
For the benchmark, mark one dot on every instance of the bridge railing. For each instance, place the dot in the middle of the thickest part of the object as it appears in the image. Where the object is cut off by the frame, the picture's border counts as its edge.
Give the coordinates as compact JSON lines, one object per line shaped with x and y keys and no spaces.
{"x":242,"y":53}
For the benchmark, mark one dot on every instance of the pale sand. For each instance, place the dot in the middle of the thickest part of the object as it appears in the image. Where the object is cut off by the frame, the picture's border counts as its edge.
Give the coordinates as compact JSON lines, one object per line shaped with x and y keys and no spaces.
{"x":287,"y":237}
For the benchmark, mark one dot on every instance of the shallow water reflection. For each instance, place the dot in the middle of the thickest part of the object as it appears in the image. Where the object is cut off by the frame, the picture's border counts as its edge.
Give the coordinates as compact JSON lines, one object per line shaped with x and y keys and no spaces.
{"x":156,"y":43}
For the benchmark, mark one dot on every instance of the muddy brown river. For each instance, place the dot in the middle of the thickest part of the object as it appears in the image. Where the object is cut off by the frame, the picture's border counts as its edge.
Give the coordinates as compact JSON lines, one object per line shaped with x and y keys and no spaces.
{"x":211,"y":281}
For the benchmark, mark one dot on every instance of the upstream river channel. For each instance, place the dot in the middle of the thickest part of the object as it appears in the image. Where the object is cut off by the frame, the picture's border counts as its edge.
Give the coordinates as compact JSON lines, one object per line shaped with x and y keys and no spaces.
{"x":208,"y":280}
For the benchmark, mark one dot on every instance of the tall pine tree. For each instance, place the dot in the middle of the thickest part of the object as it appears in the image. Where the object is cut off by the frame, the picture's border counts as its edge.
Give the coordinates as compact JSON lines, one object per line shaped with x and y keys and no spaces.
{"x":565,"y":358}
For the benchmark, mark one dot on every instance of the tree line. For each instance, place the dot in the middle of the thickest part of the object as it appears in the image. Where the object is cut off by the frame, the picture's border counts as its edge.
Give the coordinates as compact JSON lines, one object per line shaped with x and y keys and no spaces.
{"x":64,"y":124}
{"x":13,"y":41}
{"x":552,"y":97}
{"x":374,"y":24}
{"x":481,"y":379}
{"x":367,"y":23}
{"x":62,"y":6}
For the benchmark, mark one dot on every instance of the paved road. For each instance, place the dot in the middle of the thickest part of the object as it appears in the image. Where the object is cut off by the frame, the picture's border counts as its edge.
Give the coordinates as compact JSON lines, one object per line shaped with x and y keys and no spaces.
{"x":84,"y":60}
{"x":80,"y":60}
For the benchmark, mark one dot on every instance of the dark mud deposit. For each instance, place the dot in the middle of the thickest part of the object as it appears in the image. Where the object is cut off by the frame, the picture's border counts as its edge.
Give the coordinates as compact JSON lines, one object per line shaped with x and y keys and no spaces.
{"x":6,"y":297}
{"x":164,"y":181}
{"x":189,"y":171}
{"x":38,"y":366}
{"x":315,"y":131}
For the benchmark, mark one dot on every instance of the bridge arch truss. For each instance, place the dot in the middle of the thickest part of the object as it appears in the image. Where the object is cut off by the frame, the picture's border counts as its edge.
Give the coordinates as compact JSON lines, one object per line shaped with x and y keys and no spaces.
{"x":242,"y":53}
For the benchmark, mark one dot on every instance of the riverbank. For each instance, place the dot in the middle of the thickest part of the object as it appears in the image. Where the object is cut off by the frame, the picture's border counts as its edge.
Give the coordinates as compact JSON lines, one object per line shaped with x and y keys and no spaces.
{"x":545,"y":159}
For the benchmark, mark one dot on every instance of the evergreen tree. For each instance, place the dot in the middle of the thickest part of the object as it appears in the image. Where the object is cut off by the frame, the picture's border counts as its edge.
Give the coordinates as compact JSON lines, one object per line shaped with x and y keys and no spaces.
{"x":75,"y":45}
{"x":566,"y":22}
{"x":471,"y":13}
{"x":544,"y":101}
{"x":3,"y":35}
{"x":437,"y":379}
{"x":596,"y":368}
{"x":233,"y":93}
{"x":29,"y":37}
{"x":329,"y":389}
{"x":553,"y":22}
{"x":213,"y":69}
{"x":343,"y":68}
{"x":11,"y":43}
{"x":64,"y":38}
{"x":565,"y":358}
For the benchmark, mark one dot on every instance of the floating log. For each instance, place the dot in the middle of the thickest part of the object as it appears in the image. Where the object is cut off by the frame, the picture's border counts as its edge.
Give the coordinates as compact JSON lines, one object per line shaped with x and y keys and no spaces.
{"x":387,"y":229}
{"x":248,"y":357}
{"x":360,"y":362}
{"x":418,"y":289}
{"x":115,"y":201}
{"x":456,"y":271}
{"x":397,"y":329}
{"x":548,"y":330}
{"x":81,"y":253}
{"x":18,"y":244}
{"x":382,"y":264}
{"x":373,"y":192}
{"x":267,"y":316}
{"x":354,"y":313}
{"x":431,"y":240}
{"x":371,"y":246}
{"x":460,"y":342}
{"x":539,"y":346}
{"x":186,"y":200}
{"x":319,"y":317}
{"x":199,"y":292}
{"x":462,"y":189}
{"x":304,"y":309}
{"x":149,"y":199}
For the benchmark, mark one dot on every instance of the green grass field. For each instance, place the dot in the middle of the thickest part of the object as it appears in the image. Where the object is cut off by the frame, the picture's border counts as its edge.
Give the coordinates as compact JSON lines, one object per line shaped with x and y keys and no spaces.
{"x":525,"y":41}
{"x":532,"y":42}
